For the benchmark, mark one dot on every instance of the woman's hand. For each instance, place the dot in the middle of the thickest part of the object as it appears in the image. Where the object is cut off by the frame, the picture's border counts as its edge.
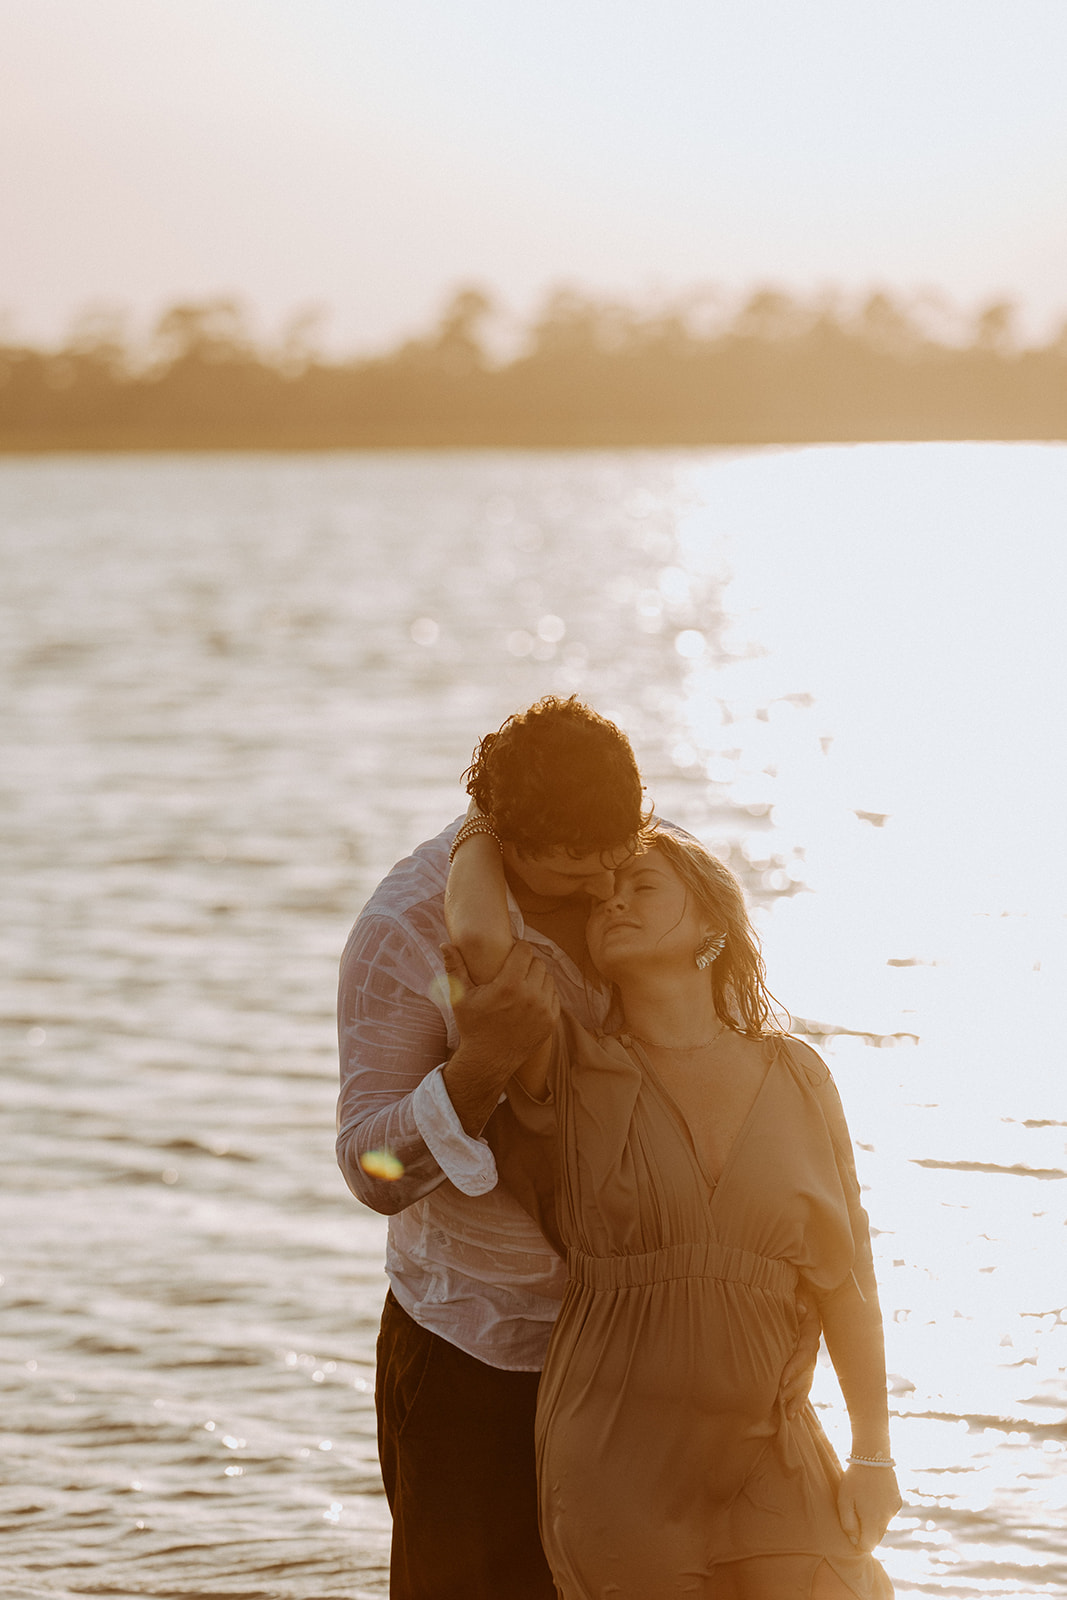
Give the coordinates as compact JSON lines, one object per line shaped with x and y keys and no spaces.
{"x":867,"y":1501}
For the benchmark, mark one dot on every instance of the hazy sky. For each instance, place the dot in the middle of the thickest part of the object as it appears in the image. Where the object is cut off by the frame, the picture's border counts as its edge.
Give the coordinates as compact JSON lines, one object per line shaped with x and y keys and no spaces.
{"x":369,"y":154}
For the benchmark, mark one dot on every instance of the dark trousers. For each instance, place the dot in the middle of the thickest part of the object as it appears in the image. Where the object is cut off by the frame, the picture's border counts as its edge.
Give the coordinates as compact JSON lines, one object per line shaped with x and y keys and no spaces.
{"x":455,"y":1440}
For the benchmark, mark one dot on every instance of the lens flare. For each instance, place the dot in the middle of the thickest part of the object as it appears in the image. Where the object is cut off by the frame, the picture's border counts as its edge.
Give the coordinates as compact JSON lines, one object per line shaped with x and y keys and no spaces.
{"x":382,"y":1164}
{"x":445,"y":989}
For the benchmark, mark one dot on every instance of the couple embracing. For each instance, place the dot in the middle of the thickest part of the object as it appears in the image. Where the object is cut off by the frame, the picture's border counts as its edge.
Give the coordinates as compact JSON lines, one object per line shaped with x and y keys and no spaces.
{"x":627,"y":1203}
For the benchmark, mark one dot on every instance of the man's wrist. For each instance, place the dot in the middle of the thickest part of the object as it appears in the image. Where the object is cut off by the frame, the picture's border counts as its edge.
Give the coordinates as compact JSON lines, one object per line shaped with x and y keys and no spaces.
{"x":474,"y":1082}
{"x":490,"y":1061}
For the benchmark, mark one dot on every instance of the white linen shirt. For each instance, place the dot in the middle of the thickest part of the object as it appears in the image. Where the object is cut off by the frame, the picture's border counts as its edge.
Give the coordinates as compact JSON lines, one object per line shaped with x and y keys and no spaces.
{"x":463,"y":1258}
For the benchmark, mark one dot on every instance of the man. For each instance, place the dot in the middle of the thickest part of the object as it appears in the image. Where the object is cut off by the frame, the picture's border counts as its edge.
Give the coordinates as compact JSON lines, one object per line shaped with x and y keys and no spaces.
{"x":474,"y":1288}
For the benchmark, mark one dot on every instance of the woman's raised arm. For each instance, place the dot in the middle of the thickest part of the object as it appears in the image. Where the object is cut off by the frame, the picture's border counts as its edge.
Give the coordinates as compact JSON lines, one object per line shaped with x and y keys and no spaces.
{"x":476,"y":905}
{"x":479,"y":926}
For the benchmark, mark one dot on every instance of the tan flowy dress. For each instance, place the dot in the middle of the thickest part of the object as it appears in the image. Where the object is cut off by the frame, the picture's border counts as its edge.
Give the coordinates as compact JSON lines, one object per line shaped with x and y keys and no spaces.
{"x":663,"y":1455}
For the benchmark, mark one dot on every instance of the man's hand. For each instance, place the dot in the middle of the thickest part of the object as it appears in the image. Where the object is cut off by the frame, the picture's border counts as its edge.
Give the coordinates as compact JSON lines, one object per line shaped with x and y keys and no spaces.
{"x":500,"y":1025}
{"x":799,"y":1370}
{"x":510,"y":1016}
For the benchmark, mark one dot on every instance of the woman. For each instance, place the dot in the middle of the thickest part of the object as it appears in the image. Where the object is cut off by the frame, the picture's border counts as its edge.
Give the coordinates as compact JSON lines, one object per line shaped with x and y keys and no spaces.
{"x":698,"y":1169}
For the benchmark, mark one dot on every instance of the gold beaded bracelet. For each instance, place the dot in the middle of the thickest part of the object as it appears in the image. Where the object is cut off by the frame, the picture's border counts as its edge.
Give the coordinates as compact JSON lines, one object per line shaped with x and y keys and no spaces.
{"x":469,"y":829}
{"x":871,"y":1461}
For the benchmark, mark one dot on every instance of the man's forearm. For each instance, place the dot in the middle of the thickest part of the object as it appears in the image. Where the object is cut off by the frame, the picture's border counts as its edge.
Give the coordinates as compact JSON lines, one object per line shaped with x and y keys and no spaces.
{"x":475,"y":1081}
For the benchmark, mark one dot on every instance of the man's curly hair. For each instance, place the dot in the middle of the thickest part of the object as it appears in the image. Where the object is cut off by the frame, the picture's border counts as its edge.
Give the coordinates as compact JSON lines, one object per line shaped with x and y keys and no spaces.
{"x":559,"y":777}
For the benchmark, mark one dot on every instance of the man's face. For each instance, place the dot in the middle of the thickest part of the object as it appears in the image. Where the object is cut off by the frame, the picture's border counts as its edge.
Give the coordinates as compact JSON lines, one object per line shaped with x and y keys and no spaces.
{"x":555,"y":874}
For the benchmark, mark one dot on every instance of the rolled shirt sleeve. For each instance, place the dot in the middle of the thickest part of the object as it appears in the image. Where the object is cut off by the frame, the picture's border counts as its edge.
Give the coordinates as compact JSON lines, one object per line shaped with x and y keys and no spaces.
{"x":465,"y":1161}
{"x":394,"y":1027}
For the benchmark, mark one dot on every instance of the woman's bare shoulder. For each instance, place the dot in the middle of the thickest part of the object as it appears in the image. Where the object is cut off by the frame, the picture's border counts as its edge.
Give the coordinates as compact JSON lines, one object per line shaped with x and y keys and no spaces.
{"x":801,"y":1053}
{"x":745,"y":1047}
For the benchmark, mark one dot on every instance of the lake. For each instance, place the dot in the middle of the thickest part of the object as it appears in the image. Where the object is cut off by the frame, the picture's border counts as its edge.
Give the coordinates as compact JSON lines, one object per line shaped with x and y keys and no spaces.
{"x":239,"y":687}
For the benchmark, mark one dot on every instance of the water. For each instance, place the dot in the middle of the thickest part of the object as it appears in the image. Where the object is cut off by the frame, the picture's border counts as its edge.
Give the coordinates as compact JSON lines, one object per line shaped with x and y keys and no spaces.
{"x":240,"y":687}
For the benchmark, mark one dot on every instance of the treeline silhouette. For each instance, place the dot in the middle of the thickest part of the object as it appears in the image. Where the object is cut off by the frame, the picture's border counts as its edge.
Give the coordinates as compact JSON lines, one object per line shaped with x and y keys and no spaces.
{"x":586,"y":372}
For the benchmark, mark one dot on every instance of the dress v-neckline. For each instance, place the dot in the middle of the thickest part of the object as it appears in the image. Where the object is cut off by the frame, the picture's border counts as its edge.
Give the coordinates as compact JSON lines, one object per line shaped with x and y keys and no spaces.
{"x":713,"y":1184}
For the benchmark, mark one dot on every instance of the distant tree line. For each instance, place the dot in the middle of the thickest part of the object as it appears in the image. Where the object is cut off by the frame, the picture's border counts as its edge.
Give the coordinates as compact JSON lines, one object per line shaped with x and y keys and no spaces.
{"x":586,"y":372}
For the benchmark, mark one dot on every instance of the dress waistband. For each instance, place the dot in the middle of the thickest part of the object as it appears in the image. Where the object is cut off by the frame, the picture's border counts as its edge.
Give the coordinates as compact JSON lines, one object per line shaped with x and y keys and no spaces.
{"x":706,"y":1260}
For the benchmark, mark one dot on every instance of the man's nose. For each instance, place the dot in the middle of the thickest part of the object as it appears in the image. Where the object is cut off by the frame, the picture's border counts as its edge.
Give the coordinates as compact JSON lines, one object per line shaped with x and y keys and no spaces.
{"x":601,"y":885}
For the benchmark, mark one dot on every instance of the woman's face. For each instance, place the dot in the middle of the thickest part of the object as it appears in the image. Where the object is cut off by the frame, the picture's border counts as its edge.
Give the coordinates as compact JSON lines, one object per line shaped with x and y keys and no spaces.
{"x":652,"y":920}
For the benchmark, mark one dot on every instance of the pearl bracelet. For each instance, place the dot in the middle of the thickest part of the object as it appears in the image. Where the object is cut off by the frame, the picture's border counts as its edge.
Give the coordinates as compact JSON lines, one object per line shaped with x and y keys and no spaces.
{"x":468,"y":830}
{"x":871,"y":1461}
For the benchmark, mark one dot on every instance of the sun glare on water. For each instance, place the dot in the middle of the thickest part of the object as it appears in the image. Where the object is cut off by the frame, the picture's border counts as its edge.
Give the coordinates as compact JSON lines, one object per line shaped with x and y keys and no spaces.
{"x":890,"y":702}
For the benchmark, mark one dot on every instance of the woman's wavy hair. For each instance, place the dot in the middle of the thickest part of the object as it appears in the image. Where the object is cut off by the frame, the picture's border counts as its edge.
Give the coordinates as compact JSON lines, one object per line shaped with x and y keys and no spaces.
{"x":738,"y":976}
{"x":559,"y":777}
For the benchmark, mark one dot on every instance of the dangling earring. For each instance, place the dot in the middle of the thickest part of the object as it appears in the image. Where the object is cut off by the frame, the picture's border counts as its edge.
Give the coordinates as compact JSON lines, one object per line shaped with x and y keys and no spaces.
{"x":710,"y":950}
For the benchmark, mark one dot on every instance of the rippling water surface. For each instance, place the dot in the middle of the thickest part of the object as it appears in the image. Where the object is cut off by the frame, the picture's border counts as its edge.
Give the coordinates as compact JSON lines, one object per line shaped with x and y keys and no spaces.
{"x":236,"y":689}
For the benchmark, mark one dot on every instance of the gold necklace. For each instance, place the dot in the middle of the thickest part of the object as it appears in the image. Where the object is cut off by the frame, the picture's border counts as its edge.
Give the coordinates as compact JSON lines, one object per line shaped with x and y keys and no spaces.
{"x":703,"y":1046}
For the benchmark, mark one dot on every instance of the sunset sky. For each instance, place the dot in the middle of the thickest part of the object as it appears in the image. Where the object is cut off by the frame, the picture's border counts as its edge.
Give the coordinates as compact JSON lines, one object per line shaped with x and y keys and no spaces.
{"x":367,"y":155}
